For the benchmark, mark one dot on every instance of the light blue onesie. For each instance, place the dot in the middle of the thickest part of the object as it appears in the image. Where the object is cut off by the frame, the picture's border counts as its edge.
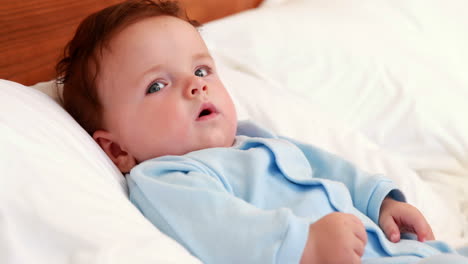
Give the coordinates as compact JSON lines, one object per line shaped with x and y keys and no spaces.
{"x":254,"y":202}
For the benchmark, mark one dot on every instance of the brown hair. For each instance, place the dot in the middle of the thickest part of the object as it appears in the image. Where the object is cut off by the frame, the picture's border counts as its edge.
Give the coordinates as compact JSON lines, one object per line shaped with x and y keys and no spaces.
{"x":79,"y":67}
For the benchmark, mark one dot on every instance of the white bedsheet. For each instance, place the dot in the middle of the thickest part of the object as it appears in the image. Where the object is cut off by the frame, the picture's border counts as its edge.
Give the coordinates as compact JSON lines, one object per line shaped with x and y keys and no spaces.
{"x":393,"y":71}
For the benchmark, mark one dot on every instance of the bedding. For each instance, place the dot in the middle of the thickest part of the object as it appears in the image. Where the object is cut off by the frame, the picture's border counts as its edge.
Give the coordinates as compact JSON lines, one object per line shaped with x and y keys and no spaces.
{"x":401,"y":84}
{"x":381,"y":83}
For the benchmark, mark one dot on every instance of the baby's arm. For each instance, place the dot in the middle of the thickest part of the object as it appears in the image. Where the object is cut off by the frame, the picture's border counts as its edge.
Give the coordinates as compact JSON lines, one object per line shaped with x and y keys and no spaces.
{"x":367,"y":190}
{"x":186,"y":201}
{"x":397,"y":217}
{"x":335,"y":238}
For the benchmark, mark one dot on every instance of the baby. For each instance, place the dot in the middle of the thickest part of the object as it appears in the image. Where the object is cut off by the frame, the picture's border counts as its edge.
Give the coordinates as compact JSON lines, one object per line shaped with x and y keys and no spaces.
{"x":139,"y":78}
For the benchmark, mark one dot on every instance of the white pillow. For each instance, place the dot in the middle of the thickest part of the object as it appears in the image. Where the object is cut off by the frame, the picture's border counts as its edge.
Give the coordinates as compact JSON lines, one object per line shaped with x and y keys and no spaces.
{"x":61,"y":199}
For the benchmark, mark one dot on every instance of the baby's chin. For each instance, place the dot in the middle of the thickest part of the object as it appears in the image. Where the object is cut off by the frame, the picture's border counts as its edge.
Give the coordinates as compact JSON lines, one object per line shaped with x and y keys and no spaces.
{"x":207,"y":145}
{"x":215,"y":144}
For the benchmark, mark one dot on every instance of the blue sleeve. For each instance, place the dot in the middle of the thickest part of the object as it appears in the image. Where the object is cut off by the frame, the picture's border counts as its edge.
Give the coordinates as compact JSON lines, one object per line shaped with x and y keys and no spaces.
{"x":367,"y":190}
{"x":193,"y":206}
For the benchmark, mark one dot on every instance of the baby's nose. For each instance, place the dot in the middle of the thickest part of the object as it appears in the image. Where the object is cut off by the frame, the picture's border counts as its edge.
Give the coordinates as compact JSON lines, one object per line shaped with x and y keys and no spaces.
{"x":202,"y":88}
{"x":196,"y":86}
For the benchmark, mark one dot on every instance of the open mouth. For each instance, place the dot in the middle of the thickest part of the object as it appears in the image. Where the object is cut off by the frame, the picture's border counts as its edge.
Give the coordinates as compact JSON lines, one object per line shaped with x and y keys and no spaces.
{"x":207,"y":111}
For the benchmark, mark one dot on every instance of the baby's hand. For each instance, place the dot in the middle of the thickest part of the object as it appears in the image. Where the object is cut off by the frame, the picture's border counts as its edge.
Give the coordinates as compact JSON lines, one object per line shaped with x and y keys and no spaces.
{"x":335,"y":238}
{"x":397,"y":217}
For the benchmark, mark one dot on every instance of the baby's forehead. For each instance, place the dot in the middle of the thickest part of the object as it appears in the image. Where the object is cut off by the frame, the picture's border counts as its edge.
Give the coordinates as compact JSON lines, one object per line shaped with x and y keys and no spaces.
{"x":149,"y":41}
{"x":160,"y":24}
{"x":162,"y":32}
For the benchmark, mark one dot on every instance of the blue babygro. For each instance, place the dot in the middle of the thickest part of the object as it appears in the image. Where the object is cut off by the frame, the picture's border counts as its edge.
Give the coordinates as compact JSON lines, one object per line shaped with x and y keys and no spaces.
{"x":254,"y":202}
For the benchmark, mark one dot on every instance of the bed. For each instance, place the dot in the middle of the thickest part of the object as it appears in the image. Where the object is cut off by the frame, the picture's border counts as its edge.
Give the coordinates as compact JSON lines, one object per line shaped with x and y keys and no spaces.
{"x":382,"y":83}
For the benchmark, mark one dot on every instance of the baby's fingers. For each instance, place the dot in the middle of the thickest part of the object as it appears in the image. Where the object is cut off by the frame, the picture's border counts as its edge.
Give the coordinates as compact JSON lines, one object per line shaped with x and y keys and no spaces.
{"x":390,"y":228}
{"x":423,"y":230}
{"x":411,"y":220}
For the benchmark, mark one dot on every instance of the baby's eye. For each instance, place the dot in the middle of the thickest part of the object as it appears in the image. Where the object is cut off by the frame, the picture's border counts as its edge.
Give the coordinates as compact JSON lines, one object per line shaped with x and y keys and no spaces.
{"x":202,"y":72}
{"x":155,"y":87}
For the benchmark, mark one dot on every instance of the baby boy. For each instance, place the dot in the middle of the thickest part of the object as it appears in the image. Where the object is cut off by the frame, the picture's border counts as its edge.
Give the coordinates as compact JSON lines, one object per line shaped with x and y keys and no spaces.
{"x":139,"y":78}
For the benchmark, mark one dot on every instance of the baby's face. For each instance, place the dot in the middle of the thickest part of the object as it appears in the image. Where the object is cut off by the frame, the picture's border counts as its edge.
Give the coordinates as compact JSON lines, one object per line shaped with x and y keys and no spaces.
{"x":161,"y":93}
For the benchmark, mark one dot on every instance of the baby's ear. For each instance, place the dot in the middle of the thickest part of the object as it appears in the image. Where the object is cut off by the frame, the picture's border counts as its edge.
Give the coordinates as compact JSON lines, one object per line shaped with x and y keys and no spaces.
{"x":122,"y":159}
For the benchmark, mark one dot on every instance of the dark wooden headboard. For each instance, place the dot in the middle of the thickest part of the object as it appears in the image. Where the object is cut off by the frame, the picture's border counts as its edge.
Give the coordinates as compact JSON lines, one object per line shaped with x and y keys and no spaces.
{"x":34,"y":32}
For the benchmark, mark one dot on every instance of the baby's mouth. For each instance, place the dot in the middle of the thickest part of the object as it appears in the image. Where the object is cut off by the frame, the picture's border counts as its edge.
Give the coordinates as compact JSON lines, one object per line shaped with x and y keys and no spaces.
{"x":207,"y":111}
